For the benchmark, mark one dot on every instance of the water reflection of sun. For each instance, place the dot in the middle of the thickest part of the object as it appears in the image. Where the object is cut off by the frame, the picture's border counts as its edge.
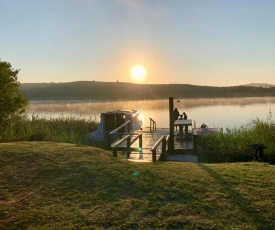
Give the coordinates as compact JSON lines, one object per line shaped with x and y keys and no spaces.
{"x":138,"y":73}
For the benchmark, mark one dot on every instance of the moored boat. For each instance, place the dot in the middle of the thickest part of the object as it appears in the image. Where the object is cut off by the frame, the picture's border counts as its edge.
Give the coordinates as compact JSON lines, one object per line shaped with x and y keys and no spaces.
{"x":204,"y":129}
{"x":110,"y":121}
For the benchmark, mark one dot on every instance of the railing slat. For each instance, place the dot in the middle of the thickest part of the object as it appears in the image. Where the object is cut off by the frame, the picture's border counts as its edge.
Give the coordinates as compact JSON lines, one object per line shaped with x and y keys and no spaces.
{"x":129,"y":143}
{"x":135,"y":138}
{"x":154,"y":124}
{"x":120,"y":127}
{"x":154,"y":148}
{"x":116,"y":144}
{"x":157,"y":143}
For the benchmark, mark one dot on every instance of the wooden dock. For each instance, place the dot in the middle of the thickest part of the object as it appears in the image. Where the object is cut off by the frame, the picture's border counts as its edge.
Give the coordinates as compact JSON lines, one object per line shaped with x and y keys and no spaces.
{"x":183,"y":146}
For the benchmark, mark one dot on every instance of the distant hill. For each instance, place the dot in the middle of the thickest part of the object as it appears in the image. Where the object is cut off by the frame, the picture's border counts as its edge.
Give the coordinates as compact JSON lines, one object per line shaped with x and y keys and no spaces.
{"x":263,"y":85}
{"x":92,"y":90}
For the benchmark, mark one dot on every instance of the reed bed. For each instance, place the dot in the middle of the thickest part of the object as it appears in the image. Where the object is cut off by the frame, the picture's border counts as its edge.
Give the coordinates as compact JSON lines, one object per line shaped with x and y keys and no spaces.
{"x":61,"y":129}
{"x":234,"y":145}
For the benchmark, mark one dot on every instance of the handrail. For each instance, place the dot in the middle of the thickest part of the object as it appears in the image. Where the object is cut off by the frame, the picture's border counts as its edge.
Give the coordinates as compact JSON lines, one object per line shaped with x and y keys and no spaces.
{"x":115,"y":130}
{"x":194,"y":128}
{"x":167,"y":140}
{"x":135,"y":114}
{"x":195,"y":137}
{"x":139,"y":136}
{"x":120,"y":141}
{"x":154,"y":124}
{"x":120,"y":127}
{"x":163,"y":155}
{"x":163,"y":149}
{"x":129,"y":143}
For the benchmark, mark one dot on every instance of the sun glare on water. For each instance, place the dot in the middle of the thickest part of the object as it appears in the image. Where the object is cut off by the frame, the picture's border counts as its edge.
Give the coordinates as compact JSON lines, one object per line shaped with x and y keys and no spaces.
{"x":138,"y":73}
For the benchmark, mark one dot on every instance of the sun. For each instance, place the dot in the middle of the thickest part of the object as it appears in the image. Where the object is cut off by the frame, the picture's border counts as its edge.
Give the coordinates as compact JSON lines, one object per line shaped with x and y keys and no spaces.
{"x":138,"y":73}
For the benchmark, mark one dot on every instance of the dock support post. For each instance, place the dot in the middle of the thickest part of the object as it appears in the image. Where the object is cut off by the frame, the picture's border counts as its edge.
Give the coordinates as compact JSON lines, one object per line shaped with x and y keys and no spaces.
{"x":108,"y":140}
{"x":171,"y":117}
{"x":154,"y":155}
{"x":163,"y":150}
{"x":195,"y":144}
{"x":114,"y":152}
{"x":128,"y":147}
{"x":140,"y":141}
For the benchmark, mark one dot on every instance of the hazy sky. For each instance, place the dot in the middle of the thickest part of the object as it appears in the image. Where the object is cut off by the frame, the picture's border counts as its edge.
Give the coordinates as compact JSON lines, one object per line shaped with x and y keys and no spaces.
{"x":199,"y":42}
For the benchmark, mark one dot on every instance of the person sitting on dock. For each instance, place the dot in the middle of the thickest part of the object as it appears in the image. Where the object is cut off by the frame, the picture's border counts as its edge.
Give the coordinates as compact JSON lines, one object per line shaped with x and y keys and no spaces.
{"x":184,"y":116}
{"x":176,"y":116}
{"x":181,"y":127}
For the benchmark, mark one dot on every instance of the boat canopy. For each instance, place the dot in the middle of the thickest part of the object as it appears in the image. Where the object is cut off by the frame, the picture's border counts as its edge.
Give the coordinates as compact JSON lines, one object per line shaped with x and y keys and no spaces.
{"x":111,"y":120}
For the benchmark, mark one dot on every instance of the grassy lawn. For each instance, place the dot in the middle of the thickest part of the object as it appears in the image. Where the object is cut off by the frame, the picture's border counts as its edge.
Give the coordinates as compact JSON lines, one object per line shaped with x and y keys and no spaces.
{"x":46,"y":185}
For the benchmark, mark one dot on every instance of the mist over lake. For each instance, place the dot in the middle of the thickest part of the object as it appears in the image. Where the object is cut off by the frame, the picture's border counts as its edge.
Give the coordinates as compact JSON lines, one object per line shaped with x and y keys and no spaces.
{"x":222,"y":113}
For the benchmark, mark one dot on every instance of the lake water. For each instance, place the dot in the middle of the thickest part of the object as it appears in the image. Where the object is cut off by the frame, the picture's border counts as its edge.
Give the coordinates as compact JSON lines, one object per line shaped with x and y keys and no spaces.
{"x":220,"y":113}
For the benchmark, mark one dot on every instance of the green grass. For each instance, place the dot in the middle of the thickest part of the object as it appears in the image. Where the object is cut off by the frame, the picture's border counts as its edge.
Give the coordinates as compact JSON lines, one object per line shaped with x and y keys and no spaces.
{"x":47,"y":185}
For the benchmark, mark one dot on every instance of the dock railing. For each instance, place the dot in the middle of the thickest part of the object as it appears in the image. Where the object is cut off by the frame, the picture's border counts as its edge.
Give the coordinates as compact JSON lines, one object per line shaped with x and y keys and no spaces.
{"x":163,"y":141}
{"x":167,"y":147}
{"x":194,"y":128}
{"x":129,"y":143}
{"x":195,"y":135}
{"x":153,"y":125}
{"x":115,"y":132}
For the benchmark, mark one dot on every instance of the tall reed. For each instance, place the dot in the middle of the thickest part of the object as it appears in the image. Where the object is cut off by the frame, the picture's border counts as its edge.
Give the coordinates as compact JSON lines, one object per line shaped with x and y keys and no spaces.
{"x":235,"y":144}
{"x":61,"y":129}
{"x":232,"y":145}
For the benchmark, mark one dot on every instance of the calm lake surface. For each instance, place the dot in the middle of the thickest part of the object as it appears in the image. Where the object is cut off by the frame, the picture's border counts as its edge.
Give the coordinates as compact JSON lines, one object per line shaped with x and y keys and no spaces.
{"x":221,"y":113}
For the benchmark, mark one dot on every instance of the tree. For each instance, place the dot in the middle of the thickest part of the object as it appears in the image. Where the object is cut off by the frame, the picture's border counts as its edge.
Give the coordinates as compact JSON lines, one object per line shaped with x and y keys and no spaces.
{"x":12,"y":102}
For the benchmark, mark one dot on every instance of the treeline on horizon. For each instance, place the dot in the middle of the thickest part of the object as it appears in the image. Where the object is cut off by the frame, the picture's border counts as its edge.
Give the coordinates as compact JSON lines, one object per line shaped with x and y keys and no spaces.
{"x":92,"y":90}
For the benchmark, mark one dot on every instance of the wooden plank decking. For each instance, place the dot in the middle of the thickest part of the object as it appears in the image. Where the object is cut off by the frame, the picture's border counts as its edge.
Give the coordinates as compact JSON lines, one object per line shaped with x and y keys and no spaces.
{"x":183,"y":146}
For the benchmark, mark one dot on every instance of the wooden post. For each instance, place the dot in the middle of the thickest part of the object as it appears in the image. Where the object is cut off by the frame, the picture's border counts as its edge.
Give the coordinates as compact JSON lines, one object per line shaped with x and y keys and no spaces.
{"x":114,"y":152}
{"x":108,"y":140}
{"x":195,"y":144}
{"x":163,"y":150}
{"x":128,"y":147}
{"x":171,"y":117}
{"x":154,"y":155}
{"x":140,"y":141}
{"x":186,"y":130}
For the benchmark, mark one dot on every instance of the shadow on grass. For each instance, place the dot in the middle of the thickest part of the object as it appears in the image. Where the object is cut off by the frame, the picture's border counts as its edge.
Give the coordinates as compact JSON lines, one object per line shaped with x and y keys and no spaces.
{"x":239,"y":200}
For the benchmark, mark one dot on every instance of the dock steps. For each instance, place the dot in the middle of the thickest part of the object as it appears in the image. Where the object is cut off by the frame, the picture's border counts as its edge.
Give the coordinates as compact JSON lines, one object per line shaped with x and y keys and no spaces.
{"x":183,"y":147}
